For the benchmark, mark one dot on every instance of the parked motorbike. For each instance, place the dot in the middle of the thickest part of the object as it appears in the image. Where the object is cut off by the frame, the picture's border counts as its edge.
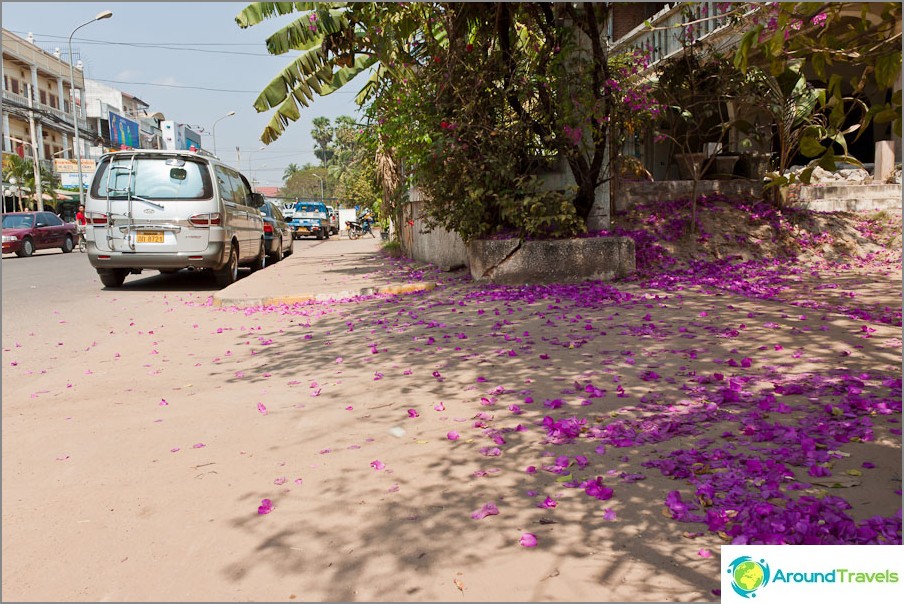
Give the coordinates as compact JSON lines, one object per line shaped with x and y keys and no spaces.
{"x":360,"y":227}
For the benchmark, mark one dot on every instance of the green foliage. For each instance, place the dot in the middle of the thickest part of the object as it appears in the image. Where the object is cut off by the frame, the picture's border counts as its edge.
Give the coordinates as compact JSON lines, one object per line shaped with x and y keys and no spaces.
{"x":848,"y":49}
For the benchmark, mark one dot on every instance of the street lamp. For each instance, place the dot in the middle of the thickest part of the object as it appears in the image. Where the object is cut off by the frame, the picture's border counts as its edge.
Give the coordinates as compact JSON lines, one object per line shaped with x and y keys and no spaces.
{"x":321,"y":186}
{"x":78,"y":148}
{"x":214,"y":129}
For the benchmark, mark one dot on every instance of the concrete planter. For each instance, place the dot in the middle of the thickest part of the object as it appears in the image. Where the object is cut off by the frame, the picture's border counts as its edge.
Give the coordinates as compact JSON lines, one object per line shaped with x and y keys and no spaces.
{"x":519,"y":262}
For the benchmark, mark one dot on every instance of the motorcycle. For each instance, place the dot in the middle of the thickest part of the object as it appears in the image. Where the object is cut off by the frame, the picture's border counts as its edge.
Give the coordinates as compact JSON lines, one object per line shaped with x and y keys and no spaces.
{"x":360,"y":227}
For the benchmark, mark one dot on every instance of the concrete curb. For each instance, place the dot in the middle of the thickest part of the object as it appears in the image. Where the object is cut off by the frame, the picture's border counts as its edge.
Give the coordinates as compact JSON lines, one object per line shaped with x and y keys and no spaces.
{"x":250,"y":302}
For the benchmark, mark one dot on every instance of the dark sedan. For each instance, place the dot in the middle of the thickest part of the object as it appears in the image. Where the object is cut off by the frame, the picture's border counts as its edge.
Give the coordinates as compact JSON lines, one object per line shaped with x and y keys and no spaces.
{"x":278,"y":240}
{"x":26,"y":232}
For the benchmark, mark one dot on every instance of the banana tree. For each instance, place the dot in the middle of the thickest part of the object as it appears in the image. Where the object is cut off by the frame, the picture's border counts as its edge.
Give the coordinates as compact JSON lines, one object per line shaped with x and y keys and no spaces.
{"x":336,"y":43}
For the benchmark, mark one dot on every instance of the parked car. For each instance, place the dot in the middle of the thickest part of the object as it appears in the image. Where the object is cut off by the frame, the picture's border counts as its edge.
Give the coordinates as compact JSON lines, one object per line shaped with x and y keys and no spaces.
{"x":169,"y":210}
{"x":334,"y":220}
{"x":278,"y":240}
{"x":26,"y":232}
{"x":310,"y":218}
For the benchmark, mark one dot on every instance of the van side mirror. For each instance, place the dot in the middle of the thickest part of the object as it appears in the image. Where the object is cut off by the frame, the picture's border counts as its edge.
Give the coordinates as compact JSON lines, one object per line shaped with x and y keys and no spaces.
{"x":257,"y":200}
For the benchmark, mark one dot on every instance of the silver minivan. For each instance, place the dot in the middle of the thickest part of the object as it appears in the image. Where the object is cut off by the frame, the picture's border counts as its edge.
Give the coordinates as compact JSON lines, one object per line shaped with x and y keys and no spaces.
{"x":169,"y":210}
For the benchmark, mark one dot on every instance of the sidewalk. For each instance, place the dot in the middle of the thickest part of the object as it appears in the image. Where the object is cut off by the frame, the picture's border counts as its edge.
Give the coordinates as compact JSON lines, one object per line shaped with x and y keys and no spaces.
{"x":332,"y":269}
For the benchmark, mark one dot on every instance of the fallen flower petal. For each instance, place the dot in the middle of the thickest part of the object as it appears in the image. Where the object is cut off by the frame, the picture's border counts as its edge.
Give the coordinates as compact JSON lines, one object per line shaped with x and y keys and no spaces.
{"x":262,"y":408}
{"x":377,"y":464}
{"x":528,"y":540}
{"x":488,"y":509}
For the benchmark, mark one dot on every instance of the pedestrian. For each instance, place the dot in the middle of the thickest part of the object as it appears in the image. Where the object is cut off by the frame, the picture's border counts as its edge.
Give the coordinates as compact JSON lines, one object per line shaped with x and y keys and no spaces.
{"x":81,"y":225}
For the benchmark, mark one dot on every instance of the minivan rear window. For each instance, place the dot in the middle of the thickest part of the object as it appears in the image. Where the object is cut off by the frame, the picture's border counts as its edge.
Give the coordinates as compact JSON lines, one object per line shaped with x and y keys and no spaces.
{"x":309,"y":207}
{"x":152,"y":178}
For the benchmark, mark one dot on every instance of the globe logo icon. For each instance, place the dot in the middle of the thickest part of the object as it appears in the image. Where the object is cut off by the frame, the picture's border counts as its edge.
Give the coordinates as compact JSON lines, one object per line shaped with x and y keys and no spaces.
{"x":748,"y":575}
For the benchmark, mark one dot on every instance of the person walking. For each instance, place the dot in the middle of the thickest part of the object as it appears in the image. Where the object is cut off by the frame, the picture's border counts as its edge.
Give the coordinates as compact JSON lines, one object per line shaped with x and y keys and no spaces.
{"x":81,"y":224}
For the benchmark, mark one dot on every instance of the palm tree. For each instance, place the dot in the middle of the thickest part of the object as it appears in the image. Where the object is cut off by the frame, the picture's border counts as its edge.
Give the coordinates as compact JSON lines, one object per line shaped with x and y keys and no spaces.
{"x":291,"y":170}
{"x":323,"y":136}
{"x":22,"y":170}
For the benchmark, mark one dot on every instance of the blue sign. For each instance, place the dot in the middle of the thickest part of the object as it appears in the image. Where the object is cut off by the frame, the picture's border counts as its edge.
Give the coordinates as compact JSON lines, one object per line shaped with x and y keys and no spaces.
{"x":123,"y":131}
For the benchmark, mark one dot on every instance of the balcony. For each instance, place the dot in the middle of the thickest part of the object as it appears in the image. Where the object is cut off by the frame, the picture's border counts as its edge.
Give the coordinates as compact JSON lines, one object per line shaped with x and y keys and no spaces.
{"x":21,"y":101}
{"x":675,"y":27}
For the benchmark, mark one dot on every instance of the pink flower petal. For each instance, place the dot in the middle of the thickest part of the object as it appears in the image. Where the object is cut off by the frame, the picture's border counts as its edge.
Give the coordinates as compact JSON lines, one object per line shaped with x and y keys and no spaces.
{"x":262,"y":408}
{"x":163,"y":402}
{"x":528,"y":540}
{"x":198,"y":446}
{"x":265,"y":507}
{"x":705,"y":553}
{"x":609,"y":514}
{"x":439,"y":407}
{"x":488,"y":509}
{"x":453,"y":435}
{"x":377,"y":464}
{"x":413,"y":413}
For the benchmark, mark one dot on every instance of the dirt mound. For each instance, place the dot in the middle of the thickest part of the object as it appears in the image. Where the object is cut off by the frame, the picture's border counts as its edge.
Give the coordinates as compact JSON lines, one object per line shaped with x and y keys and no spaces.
{"x":738,"y":230}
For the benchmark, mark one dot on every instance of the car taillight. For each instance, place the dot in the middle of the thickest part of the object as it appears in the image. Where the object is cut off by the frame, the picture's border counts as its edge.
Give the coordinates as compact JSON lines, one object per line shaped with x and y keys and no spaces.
{"x":268,"y":228}
{"x":96,"y":218}
{"x":206,"y":220}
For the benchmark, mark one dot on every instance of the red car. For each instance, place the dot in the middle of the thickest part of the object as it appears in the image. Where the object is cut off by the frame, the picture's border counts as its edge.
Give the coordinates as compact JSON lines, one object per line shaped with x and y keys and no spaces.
{"x":25,"y":232}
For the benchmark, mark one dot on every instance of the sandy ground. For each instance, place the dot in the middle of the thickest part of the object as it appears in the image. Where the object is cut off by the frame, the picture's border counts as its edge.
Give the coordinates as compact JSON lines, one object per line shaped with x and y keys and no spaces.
{"x":134,"y":470}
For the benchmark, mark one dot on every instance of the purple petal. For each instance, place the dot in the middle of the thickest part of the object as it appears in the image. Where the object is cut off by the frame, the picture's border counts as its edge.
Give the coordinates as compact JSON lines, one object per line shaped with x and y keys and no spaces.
{"x":528,"y":540}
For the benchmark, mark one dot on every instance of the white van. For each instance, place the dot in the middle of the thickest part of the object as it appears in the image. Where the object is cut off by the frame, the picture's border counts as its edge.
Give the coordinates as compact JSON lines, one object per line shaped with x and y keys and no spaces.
{"x":169,"y":210}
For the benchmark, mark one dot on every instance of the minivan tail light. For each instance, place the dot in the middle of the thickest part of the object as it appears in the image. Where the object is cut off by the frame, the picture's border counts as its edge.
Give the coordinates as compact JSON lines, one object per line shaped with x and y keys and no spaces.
{"x":206,"y":220}
{"x":96,"y":218}
{"x":268,"y":228}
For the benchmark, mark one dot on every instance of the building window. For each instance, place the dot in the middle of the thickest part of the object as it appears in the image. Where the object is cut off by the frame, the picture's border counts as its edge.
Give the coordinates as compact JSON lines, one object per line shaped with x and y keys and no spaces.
{"x":47,"y":155}
{"x":43,"y":95}
{"x":54,"y":101}
{"x":14,"y":85}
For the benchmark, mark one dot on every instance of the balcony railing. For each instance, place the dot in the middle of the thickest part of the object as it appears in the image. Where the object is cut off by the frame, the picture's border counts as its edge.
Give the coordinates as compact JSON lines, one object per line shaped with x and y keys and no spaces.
{"x":22,"y":101}
{"x":675,"y":27}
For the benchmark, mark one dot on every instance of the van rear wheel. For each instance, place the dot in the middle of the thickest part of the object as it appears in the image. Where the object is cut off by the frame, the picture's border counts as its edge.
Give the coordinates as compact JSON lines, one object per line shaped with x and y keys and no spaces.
{"x":112,"y":277}
{"x":229,"y":272}
{"x":261,"y":261}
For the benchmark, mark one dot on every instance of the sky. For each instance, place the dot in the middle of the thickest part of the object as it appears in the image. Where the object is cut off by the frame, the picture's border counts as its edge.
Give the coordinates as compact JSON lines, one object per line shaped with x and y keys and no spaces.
{"x":191,"y":62}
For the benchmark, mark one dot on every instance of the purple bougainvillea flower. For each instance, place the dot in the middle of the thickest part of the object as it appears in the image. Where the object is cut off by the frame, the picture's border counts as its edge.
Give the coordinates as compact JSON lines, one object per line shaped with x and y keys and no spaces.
{"x":262,"y":408}
{"x":488,"y":509}
{"x":705,"y":553}
{"x":413,"y":413}
{"x":265,"y":507}
{"x":440,"y":406}
{"x":555,"y":403}
{"x":198,"y":445}
{"x":531,"y":469}
{"x":280,"y":481}
{"x":437,"y":374}
{"x":528,"y":540}
{"x":868,"y":465}
{"x":596,"y":488}
{"x":163,"y":402}
{"x":491,"y":451}
{"x":609,"y":514}
{"x":453,"y":435}
{"x":548,"y":503}
{"x":377,"y":464}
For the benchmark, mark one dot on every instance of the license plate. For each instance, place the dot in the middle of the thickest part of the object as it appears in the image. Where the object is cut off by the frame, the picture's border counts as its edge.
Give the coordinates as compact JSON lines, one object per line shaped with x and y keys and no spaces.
{"x":302,"y":229}
{"x":149,"y":237}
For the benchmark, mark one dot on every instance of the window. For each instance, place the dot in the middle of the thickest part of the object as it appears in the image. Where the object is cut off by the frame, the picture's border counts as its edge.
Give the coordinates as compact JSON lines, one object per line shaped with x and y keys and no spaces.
{"x":152,"y":178}
{"x":43,"y":95}
{"x":241,"y":189}
{"x":50,"y":219}
{"x":54,"y":101}
{"x":225,"y":184}
{"x":14,"y":85}
{"x":48,"y":152}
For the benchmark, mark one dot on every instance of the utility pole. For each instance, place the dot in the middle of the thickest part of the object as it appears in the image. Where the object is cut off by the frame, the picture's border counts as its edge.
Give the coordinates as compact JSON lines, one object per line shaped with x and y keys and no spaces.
{"x":39,"y":193}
